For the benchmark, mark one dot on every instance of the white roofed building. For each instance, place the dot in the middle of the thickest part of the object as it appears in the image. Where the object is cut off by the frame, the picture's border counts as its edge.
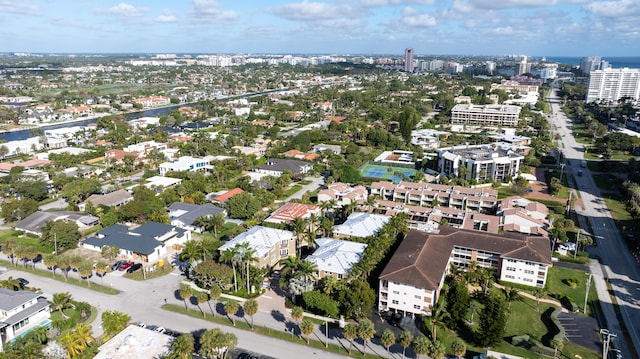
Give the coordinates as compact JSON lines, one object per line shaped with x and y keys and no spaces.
{"x":335,"y":257}
{"x":361,"y":225}
{"x":270,"y":244}
{"x":186,"y":163}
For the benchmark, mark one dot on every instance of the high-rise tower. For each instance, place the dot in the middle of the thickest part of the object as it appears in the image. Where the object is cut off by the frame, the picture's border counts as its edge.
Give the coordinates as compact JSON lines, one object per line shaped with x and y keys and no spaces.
{"x":408,"y":59}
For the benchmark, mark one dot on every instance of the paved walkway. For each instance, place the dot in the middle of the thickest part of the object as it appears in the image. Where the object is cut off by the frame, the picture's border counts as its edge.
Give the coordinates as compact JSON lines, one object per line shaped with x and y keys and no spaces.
{"x":530,"y":296}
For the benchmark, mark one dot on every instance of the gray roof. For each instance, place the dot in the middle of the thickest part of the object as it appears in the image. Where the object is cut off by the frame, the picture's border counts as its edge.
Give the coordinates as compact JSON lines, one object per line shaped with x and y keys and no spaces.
{"x":27,"y":312}
{"x":37,"y":220}
{"x":188,"y":213}
{"x":141,"y":240}
{"x":282,"y":165}
{"x":10,"y":299}
{"x":114,"y":198}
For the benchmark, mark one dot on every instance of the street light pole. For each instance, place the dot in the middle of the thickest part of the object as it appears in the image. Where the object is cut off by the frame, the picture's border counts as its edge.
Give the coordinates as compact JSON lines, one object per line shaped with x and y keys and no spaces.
{"x":606,"y":339}
{"x":55,"y":243}
{"x":589,"y":275}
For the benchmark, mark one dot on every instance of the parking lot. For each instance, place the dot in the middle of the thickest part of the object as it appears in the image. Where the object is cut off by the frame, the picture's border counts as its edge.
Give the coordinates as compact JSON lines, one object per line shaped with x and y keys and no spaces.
{"x":581,"y":330}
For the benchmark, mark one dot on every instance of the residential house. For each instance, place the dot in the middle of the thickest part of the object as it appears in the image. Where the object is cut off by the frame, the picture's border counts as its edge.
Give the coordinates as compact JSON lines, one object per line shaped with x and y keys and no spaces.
{"x":412,"y":280}
{"x":277,"y":166}
{"x":396,"y":157}
{"x":323,"y":148}
{"x":35,"y":222}
{"x":292,"y":210}
{"x":153,"y":101}
{"x":360,"y":225}
{"x":335,"y":257}
{"x":135,"y":342}
{"x":343,"y":194}
{"x":27,"y":165}
{"x":186,"y":163}
{"x":184,"y":215}
{"x":300,"y":155}
{"x":224,"y":196}
{"x":116,"y":198}
{"x":270,"y":244}
{"x":21,"y":312}
{"x":428,"y":139}
{"x":147,"y":243}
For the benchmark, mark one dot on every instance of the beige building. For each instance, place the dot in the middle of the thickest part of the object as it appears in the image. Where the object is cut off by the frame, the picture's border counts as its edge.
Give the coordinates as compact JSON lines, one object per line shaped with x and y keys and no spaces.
{"x":270,"y":245}
{"x":485,"y":115}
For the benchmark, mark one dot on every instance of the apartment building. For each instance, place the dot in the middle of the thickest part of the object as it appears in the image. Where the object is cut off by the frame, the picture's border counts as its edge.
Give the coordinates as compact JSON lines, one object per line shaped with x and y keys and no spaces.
{"x":186,"y":163}
{"x":611,"y":85}
{"x":485,"y":115}
{"x":335,"y":257}
{"x":483,"y":200}
{"x":482,"y":162}
{"x":412,"y":280}
{"x":343,"y":194}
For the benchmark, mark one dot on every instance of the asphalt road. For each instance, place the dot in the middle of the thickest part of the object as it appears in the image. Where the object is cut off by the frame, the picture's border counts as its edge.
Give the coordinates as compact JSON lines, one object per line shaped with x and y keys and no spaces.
{"x":618,"y":266}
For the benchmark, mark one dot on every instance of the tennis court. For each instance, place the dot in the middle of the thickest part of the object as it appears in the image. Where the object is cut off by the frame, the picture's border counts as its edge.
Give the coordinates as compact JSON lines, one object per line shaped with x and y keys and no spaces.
{"x":386,"y":172}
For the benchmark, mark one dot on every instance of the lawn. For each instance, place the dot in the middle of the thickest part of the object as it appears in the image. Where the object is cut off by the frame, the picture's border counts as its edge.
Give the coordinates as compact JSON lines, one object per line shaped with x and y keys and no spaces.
{"x":158,"y":272}
{"x":556,"y":286}
{"x":30,"y":241}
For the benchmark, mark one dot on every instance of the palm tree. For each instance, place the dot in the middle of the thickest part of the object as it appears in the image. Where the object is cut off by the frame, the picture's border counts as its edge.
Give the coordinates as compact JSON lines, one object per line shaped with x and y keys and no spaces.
{"x":421,"y":346}
{"x":387,"y":339}
{"x":538,"y":293}
{"x":63,"y":264}
{"x":182,"y":346}
{"x":214,"y":293}
{"x":70,"y":342}
{"x":557,"y":344}
{"x":439,"y":315}
{"x":306,"y":327}
{"x":50,"y":261}
{"x":75,"y":261}
{"x":306,"y":269}
{"x":486,"y":275}
{"x":231,"y":308}
{"x":86,"y":270}
{"x":251,"y":308}
{"x":510,"y":295}
{"x":436,"y":349}
{"x":230,"y":256}
{"x":101,"y":269}
{"x":12,"y":284}
{"x":474,"y":307}
{"x":366,"y":331}
{"x":350,"y":332}
{"x":298,"y":227}
{"x":210,"y":223}
{"x":245,"y":256}
{"x":459,"y":348}
{"x":84,"y":335}
{"x":8,"y":248}
{"x":62,"y":301}
{"x":201,"y":297}
{"x":297,"y":313}
{"x":405,"y":338}
{"x":185,"y":292}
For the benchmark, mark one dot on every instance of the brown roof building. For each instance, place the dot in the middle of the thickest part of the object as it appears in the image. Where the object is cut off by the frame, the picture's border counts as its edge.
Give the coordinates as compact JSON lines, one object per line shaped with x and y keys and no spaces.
{"x":412,"y":280}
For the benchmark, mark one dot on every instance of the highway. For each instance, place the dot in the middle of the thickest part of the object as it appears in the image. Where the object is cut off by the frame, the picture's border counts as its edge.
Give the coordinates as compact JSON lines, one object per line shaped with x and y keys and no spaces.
{"x":618,"y":265}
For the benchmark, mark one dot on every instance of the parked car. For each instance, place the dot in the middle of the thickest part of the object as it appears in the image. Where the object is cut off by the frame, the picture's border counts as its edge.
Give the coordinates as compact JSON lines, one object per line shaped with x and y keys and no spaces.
{"x":134,"y":267}
{"x":116,"y":265}
{"x":124,"y":265}
{"x":23,"y":282}
{"x":160,"y":330}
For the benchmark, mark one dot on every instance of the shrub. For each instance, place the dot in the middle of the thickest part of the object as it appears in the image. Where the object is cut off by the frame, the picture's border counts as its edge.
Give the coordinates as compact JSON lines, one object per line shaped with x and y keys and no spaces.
{"x":318,"y":300}
{"x":571,"y":282}
{"x":519,"y":340}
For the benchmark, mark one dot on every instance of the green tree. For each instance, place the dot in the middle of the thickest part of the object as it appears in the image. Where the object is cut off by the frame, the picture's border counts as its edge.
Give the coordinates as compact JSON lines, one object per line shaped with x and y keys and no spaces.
{"x":214,"y":293}
{"x":186,"y":291}
{"x":110,"y":252}
{"x":60,"y":234}
{"x":113,"y":322}
{"x":421,"y":346}
{"x":251,"y":308}
{"x":366,"y":331}
{"x":62,"y":301}
{"x":210,"y":223}
{"x":231,"y":308}
{"x":439,"y":316}
{"x":350,"y":332}
{"x":387,"y":339}
{"x":458,"y":302}
{"x":459,"y":348}
{"x":405,"y":338}
{"x":182,"y":346}
{"x":18,"y":209}
{"x":297,"y":313}
{"x":209,"y":273}
{"x":557,"y":345}
{"x":243,"y":205}
{"x":436,"y":349}
{"x":358,"y":299}
{"x":492,"y":320}
{"x":201,"y":297}
{"x":306,"y":327}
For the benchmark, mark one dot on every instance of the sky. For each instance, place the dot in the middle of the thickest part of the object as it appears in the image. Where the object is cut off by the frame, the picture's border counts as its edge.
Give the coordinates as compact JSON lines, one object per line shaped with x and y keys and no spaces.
{"x":431,"y":27}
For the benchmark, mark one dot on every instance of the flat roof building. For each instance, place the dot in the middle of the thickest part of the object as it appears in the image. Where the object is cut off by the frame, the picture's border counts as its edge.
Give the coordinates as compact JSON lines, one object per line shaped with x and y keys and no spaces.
{"x":485,"y":115}
{"x":610,"y":85}
{"x":482,"y":162}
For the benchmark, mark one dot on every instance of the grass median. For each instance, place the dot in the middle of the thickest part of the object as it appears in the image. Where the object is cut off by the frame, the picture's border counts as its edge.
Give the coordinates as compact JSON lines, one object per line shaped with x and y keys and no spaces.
{"x":60,"y":278}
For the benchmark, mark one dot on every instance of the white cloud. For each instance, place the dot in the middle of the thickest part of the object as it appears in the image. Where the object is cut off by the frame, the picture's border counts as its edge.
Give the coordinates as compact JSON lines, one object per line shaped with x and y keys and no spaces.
{"x":125,"y":10}
{"x":383,"y":3}
{"x":314,"y":11}
{"x":167,"y":16}
{"x":21,"y":7}
{"x":410,"y":11}
{"x":211,"y":11}
{"x":622,"y":8}
{"x":501,"y":4}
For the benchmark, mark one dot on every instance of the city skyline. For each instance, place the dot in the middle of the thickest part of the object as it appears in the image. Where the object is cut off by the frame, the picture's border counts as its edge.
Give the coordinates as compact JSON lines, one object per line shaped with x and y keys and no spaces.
{"x":453,"y":27}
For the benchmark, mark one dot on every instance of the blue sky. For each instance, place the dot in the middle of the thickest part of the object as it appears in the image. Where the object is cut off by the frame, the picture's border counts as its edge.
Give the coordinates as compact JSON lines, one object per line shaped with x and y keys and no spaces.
{"x":431,"y":27}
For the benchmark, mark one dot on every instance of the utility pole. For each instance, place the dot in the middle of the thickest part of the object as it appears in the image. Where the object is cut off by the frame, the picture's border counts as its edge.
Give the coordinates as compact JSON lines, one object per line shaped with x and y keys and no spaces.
{"x":55,"y":243}
{"x":589,"y":275}
{"x":606,"y":340}
{"x":575,"y":250}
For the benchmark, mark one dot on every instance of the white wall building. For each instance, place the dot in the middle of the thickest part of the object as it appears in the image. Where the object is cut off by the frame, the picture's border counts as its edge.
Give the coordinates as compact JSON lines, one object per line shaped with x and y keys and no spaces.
{"x":186,"y":163}
{"x":613,"y":84}
{"x":485,"y":115}
{"x":483,"y":162}
{"x":20,"y":312}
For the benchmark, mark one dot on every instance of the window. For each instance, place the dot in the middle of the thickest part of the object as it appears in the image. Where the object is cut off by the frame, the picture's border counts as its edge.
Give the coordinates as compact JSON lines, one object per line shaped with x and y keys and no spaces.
{"x":416,"y":307}
{"x":396,"y":292}
{"x":527,"y":271}
{"x":394,"y":302}
{"x":284,"y":252}
{"x":418,"y":296}
{"x":511,"y":269}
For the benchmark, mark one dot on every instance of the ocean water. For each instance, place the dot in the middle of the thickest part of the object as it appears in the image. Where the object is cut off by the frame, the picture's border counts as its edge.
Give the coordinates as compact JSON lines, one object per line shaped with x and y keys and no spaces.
{"x":632,"y":62}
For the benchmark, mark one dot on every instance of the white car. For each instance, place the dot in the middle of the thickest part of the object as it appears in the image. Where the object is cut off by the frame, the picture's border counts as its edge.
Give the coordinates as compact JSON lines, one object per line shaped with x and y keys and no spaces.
{"x":160,"y":330}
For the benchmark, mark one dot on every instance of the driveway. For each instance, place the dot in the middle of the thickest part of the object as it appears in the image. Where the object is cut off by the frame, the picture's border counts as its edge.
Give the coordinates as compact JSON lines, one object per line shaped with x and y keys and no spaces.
{"x":316,"y":182}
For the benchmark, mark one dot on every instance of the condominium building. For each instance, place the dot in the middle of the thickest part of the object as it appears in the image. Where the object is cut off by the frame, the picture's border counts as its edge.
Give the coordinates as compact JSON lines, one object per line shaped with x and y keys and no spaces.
{"x":613,"y":84}
{"x":482,"y":162}
{"x":482,"y":200}
{"x":485,"y":115}
{"x":408,"y":60}
{"x":186,"y":163}
{"x":593,"y":63}
{"x":412,"y":280}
